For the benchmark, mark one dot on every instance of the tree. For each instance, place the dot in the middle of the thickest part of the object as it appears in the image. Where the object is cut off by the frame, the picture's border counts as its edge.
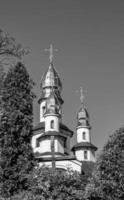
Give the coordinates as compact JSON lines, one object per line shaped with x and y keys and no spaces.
{"x":57,"y":185}
{"x":8,"y":46}
{"x":107,"y":182}
{"x":17,"y":159}
{"x":10,"y":53}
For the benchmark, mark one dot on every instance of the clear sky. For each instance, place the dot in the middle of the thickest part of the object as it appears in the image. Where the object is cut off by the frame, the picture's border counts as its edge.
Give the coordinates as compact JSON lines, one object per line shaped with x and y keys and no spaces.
{"x":89,"y":36}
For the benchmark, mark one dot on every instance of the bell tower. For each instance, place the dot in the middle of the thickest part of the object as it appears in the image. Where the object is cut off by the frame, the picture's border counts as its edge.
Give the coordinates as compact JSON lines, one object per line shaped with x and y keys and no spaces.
{"x":84,"y":150}
{"x":50,"y":83}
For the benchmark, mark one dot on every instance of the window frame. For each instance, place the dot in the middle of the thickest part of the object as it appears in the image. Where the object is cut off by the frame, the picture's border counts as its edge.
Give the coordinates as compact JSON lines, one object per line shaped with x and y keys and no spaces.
{"x":52,"y":124}
{"x":84,"y":135}
{"x":85,"y":155}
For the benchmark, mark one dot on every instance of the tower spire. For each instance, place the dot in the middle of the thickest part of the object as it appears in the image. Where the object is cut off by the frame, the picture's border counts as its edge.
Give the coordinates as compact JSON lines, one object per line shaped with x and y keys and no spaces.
{"x":51,"y":50}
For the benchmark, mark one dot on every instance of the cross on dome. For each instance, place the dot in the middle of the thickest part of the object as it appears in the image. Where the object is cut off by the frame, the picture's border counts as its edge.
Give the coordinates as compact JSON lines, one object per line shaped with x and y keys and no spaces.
{"x":51,"y":50}
{"x":81,"y":91}
{"x":82,"y":95}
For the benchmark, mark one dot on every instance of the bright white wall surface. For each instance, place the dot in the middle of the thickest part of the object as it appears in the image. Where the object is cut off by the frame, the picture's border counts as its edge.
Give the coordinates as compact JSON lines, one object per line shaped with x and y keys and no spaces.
{"x":33,"y":141}
{"x":45,"y":145}
{"x":48,"y":120}
{"x":92,"y":156}
{"x":80,"y":155}
{"x":59,"y":145}
{"x":65,"y":164}
{"x":42,"y":104}
{"x":80,"y":131}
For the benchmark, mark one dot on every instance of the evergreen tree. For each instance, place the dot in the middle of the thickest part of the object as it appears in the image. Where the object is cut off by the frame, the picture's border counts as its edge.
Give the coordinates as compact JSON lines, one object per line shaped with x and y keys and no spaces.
{"x":10,"y":53}
{"x":16,"y":130}
{"x":107,"y":182}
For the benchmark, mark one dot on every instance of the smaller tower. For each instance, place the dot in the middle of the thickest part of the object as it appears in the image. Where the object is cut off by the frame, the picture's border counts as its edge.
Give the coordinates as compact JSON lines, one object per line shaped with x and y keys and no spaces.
{"x":84,"y":150}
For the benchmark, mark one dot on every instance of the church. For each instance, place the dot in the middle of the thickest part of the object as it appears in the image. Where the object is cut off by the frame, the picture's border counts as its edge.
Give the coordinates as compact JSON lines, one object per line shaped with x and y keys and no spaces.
{"x":51,"y":138}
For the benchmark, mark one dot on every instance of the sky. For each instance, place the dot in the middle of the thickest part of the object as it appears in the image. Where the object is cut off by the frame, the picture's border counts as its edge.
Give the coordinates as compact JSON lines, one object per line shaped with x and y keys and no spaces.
{"x":89,"y":36}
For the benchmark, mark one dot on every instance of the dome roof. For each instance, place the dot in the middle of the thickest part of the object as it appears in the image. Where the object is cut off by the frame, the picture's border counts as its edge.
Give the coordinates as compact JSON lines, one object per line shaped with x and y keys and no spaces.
{"x":83,"y":116}
{"x":52,"y":104}
{"x":51,"y":78}
{"x":44,"y":95}
{"x":82,"y":113}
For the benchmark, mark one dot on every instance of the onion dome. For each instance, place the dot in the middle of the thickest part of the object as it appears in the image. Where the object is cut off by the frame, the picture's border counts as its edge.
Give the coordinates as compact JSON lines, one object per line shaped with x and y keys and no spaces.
{"x":83,"y":117}
{"x":45,"y":95}
{"x":52,"y":104}
{"x":51,"y":79}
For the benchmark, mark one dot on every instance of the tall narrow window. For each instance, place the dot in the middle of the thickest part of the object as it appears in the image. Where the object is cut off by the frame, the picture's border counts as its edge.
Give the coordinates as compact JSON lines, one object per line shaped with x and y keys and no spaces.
{"x":52,"y":124}
{"x":43,"y":109}
{"x":37,"y":143}
{"x":84,"y":135}
{"x":85,"y":155}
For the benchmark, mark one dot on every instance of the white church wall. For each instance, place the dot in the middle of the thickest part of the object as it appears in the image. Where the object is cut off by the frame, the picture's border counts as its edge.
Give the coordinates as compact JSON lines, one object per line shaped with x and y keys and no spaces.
{"x":80,"y":137}
{"x":65,"y":164}
{"x":92,"y":156}
{"x":45,"y":145}
{"x":59,"y":145}
{"x":80,"y":155}
{"x":42,"y":106}
{"x":48,"y":120}
{"x":33,"y":142}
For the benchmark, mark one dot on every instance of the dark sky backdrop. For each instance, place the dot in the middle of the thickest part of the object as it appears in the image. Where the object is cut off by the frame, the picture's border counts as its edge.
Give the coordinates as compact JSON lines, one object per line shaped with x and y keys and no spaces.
{"x":89,"y":36}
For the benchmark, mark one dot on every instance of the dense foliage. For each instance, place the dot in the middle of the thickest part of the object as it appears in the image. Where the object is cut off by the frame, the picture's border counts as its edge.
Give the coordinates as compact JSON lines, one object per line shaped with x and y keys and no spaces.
{"x":10,"y":53}
{"x":58,"y":185}
{"x":8,"y":46}
{"x":107,"y":182}
{"x":16,"y":130}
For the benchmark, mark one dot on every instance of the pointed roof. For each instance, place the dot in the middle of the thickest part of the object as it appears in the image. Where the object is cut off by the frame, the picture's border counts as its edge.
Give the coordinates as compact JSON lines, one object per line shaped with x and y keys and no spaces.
{"x":82,"y":115}
{"x":52,"y":103}
{"x":51,"y":78}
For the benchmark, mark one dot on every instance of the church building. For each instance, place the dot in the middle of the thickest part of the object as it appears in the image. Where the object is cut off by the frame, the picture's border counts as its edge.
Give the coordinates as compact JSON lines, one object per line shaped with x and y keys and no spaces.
{"x":51,"y":138}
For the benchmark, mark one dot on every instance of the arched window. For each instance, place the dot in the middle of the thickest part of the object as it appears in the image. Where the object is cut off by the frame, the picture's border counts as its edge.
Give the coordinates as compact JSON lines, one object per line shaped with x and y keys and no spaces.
{"x":43,"y":109}
{"x":85,"y":155}
{"x":84,"y":135}
{"x":37,"y":143}
{"x":52,"y":124}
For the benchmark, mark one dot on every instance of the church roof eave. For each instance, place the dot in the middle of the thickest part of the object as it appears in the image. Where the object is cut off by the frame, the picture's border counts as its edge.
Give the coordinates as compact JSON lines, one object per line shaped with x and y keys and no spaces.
{"x":83,"y":145}
{"x":63,"y":129}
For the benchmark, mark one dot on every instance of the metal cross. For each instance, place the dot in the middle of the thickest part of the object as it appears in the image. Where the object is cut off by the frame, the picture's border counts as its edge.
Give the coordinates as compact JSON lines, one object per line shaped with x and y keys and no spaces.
{"x":81,"y":94}
{"x":51,"y":50}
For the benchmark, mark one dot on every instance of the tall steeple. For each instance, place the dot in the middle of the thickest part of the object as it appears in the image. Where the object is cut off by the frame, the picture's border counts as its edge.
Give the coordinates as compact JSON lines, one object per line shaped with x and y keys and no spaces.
{"x":50,"y":83}
{"x":82,"y":115}
{"x":84,"y":150}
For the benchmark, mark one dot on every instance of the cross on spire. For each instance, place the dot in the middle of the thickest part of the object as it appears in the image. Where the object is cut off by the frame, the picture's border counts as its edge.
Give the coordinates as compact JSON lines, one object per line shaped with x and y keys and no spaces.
{"x":82,"y":95}
{"x":51,"y":50}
